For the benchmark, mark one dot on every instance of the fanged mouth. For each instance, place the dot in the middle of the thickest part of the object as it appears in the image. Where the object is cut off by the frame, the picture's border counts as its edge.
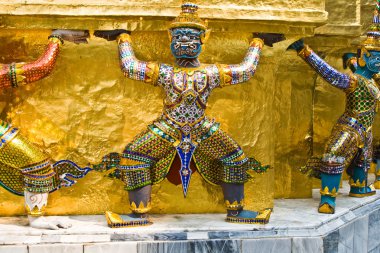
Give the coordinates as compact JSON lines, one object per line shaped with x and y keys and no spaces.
{"x":185,"y":52}
{"x":185,"y":45}
{"x":185,"y":48}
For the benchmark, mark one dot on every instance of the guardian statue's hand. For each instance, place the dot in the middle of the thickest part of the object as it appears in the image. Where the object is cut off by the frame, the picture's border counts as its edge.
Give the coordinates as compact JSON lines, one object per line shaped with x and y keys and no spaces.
{"x":346,"y":57}
{"x":110,"y":34}
{"x":270,"y":38}
{"x":298,"y":45}
{"x":76,"y":36}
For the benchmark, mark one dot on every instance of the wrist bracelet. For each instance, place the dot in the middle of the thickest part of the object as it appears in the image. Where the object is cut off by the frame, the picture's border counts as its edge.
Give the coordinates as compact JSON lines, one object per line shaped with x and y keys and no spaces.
{"x":13,"y":75}
{"x":55,"y":36}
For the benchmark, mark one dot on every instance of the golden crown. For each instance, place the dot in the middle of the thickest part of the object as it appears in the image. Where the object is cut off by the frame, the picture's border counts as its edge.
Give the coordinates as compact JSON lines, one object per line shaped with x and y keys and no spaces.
{"x":189,"y":17}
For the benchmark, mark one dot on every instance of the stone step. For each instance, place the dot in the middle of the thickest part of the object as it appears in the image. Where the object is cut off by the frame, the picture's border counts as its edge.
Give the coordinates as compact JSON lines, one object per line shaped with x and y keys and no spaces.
{"x":295,"y":226}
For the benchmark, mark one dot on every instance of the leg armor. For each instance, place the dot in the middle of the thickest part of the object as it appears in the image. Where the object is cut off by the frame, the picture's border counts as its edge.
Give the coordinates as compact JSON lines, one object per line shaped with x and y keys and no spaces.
{"x":16,"y":152}
{"x":329,"y":191}
{"x":139,"y":199}
{"x":376,"y":159}
{"x":145,"y":161}
{"x":359,"y":183}
{"x":359,"y":172}
{"x":339,"y":153}
{"x":139,"y":216}
{"x":228,"y":166}
{"x":220,"y":159}
{"x":234,"y":200}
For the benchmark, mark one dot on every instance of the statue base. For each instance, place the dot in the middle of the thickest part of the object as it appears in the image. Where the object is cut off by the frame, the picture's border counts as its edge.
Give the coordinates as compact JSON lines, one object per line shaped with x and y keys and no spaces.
{"x":295,"y":226}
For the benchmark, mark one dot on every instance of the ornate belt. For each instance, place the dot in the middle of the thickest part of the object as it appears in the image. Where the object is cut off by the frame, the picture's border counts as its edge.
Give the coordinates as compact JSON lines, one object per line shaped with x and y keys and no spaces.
{"x":355,"y":125}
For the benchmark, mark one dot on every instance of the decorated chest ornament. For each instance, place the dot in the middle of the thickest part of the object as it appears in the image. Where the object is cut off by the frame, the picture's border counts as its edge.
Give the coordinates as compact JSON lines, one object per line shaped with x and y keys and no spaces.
{"x":369,"y":50}
{"x":188,"y":32}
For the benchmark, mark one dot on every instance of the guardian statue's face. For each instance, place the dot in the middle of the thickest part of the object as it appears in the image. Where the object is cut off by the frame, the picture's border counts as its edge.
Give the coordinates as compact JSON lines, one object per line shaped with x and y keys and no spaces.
{"x":186,"y":42}
{"x":373,"y":61}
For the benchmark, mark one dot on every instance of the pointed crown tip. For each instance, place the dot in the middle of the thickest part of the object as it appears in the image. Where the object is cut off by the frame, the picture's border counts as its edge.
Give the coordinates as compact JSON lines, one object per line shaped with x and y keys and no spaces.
{"x":189,"y":17}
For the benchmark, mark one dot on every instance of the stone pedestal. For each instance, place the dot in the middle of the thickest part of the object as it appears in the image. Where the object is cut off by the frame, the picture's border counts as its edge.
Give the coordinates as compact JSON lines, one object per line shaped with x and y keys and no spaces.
{"x":295,"y":226}
{"x":284,"y":115}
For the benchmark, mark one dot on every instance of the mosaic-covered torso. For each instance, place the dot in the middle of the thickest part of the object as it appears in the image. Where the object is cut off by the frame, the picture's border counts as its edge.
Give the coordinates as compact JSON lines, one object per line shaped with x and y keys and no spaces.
{"x":187,"y":92}
{"x":361,"y":103}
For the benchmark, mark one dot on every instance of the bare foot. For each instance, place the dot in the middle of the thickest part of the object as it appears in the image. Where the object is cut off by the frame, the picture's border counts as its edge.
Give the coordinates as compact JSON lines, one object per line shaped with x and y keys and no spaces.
{"x":42,"y":222}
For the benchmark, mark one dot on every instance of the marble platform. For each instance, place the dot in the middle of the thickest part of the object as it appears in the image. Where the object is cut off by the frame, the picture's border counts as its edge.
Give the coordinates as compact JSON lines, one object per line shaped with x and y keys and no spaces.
{"x":295,"y":226}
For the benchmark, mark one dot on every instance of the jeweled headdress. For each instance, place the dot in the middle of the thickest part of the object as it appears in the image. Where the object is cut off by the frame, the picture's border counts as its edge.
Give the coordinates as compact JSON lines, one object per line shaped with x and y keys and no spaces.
{"x":372,"y":42}
{"x":373,"y":34}
{"x":189,"y":17}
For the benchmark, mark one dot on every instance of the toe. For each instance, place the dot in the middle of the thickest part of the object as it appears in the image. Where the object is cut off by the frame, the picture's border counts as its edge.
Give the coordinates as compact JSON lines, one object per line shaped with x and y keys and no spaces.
{"x":53,"y":226}
{"x":64,"y":225}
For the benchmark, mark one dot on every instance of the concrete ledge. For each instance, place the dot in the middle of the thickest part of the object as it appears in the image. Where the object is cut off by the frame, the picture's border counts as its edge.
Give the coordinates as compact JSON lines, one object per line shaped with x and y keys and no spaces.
{"x":37,"y":22}
{"x":156,"y":15}
{"x":295,"y":227}
{"x":339,"y":30}
{"x":148,"y":9}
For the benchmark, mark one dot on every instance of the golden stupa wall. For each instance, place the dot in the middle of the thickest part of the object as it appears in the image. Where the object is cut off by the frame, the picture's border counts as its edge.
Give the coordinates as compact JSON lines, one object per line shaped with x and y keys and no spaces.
{"x":87,"y":108}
